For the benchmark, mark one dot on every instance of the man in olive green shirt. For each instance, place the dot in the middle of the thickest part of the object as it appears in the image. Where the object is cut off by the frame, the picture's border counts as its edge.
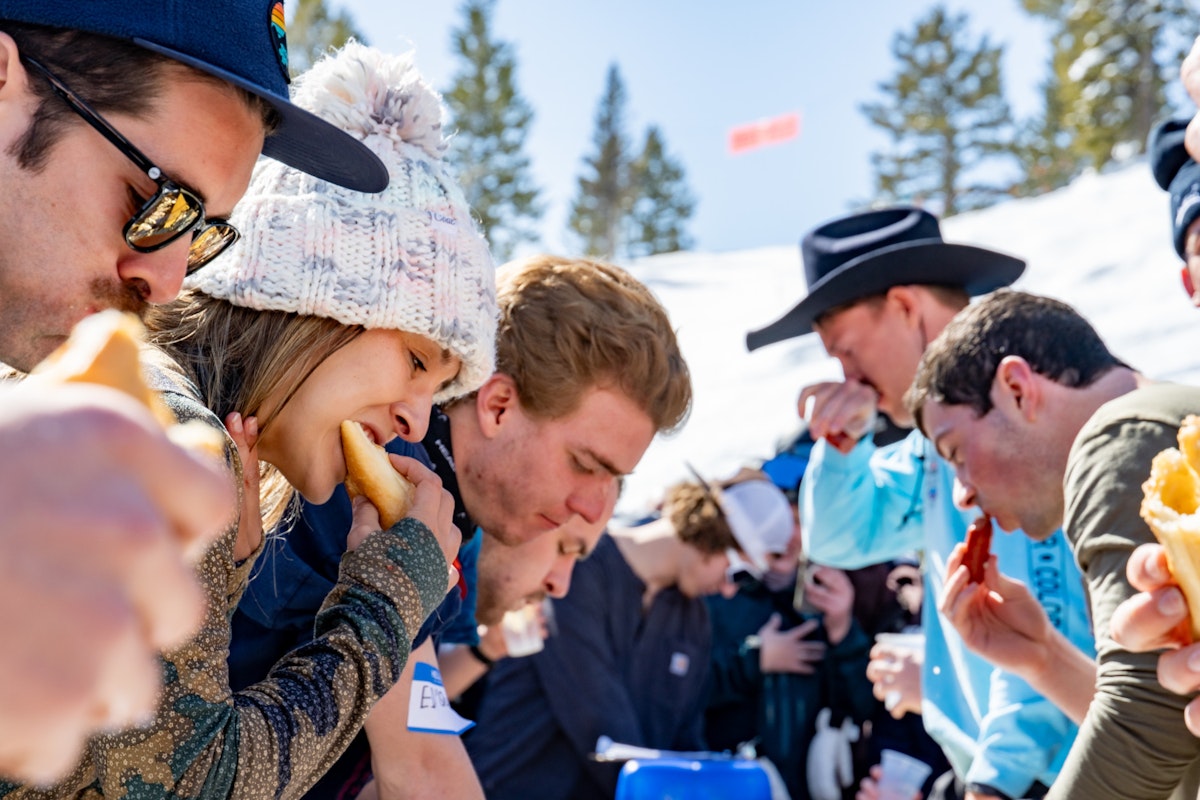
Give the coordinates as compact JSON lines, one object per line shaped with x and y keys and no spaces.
{"x":1046,"y":427}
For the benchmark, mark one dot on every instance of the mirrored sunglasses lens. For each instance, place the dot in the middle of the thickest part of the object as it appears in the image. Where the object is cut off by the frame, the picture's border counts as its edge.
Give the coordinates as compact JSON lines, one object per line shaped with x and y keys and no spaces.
{"x":210,"y":243}
{"x":171,"y":213}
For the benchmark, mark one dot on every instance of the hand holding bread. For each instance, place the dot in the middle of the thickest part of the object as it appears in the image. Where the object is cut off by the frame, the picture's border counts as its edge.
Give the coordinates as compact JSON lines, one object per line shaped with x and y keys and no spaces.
{"x":97,"y":507}
{"x":1170,"y":505}
{"x":397,"y":487}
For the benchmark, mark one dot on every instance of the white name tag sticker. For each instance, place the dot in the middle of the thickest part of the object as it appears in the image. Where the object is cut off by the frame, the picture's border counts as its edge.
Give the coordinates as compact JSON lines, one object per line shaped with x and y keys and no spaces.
{"x":429,"y":709}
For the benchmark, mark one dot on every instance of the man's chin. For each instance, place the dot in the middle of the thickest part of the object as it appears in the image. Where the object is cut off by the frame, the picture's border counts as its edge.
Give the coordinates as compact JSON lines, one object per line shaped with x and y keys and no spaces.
{"x":1038,"y":531}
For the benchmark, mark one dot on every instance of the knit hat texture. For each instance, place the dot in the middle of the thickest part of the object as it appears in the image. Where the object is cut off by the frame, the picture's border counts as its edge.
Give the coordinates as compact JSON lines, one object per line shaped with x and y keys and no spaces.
{"x":409,"y":258}
{"x":1175,"y":171}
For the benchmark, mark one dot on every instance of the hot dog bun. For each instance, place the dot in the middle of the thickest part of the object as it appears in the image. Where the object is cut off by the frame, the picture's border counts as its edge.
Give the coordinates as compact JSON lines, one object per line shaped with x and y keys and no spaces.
{"x":104,"y":349}
{"x":1169,"y":506}
{"x":369,"y":472}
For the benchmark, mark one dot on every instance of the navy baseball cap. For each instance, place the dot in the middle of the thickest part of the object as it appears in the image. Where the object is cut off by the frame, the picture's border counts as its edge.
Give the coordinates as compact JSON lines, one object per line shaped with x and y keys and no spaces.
{"x":243,"y":42}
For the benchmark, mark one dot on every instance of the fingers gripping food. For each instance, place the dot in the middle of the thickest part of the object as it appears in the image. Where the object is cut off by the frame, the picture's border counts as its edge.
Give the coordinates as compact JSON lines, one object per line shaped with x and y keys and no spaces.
{"x":104,"y":349}
{"x":1169,"y":506}
{"x":369,"y":472}
{"x":979,"y":547}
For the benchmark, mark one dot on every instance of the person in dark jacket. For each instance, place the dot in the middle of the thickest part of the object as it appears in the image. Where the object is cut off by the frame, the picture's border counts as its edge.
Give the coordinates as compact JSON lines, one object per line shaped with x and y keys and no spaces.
{"x":774,"y":667}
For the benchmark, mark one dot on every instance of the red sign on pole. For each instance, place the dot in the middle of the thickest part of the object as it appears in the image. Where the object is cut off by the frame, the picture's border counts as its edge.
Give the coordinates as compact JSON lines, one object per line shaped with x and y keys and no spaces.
{"x":764,"y":132}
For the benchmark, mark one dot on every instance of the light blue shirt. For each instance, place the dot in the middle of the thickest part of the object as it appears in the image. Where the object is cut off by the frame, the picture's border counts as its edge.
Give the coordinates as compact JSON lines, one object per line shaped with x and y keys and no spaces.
{"x":877,"y":504}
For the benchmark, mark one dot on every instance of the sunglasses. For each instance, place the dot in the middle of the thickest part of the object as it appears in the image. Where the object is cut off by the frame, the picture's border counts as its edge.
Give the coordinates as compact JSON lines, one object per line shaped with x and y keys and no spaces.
{"x":171,"y":212}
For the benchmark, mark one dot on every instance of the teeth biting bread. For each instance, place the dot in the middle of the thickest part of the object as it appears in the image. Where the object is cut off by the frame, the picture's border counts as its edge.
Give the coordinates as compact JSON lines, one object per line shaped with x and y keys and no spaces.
{"x":1169,"y":506}
{"x":104,"y":349}
{"x":369,"y":472}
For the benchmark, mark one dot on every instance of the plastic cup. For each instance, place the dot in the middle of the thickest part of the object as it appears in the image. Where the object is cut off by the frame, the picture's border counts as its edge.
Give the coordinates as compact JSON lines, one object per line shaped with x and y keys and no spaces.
{"x":522,"y":630}
{"x":912,"y":643}
{"x":903,"y":776}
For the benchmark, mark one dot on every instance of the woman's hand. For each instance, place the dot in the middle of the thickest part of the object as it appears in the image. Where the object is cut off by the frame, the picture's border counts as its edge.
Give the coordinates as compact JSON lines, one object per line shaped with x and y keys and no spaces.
{"x":244,"y":432}
{"x":432,"y":505}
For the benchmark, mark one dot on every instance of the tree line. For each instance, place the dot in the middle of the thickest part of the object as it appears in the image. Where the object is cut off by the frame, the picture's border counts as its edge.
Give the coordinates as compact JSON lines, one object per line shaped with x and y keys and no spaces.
{"x":629,"y":201}
{"x":953,"y":142}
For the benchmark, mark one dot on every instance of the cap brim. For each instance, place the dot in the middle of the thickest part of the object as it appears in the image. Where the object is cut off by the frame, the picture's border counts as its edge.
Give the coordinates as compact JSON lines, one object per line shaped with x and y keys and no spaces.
{"x":302,"y":140}
{"x":934,"y":263}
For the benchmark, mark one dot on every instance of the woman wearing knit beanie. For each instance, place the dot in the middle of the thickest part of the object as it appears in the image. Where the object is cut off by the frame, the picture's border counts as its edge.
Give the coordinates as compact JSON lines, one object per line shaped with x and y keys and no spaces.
{"x":334,"y":305}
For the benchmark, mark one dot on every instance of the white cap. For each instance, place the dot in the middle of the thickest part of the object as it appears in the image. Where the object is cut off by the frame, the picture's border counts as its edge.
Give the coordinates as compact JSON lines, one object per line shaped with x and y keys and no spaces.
{"x":761,"y":519}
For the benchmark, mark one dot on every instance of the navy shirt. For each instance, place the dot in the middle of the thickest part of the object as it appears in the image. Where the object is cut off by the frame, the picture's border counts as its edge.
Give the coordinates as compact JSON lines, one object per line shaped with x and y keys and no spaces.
{"x":613,"y":669}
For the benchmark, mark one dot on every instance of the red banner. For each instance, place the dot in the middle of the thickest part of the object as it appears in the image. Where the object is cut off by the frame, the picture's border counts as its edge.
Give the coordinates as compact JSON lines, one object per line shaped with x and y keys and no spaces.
{"x":764,"y":132}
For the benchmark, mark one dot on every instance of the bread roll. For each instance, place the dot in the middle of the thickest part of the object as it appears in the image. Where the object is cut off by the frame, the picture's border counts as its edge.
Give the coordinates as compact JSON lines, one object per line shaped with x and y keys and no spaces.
{"x":369,"y":472}
{"x":104,"y":349}
{"x":1169,"y":506}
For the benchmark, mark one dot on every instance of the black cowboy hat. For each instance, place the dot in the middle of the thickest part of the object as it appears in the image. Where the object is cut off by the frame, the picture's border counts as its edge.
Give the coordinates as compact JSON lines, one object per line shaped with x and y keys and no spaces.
{"x":870,"y":252}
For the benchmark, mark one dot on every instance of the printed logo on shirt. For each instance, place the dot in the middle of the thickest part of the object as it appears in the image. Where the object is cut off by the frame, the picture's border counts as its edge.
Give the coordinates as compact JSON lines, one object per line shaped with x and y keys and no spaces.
{"x":679,"y":664}
{"x":1046,"y":570}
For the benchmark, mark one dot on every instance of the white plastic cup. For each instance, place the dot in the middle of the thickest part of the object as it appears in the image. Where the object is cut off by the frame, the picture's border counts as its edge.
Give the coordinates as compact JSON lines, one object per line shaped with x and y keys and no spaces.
{"x":913,"y":643}
{"x":903,"y":776}
{"x":522,"y":631}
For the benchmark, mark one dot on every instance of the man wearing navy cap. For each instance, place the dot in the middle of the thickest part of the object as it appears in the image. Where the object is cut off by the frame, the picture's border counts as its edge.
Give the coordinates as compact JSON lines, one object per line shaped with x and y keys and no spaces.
{"x":882,"y":285}
{"x":127,"y":133}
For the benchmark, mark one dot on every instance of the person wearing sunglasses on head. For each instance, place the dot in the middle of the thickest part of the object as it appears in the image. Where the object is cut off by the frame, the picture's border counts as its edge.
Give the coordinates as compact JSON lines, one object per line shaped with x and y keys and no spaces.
{"x":127,"y":134}
{"x":630,"y":659}
{"x":335,"y":305}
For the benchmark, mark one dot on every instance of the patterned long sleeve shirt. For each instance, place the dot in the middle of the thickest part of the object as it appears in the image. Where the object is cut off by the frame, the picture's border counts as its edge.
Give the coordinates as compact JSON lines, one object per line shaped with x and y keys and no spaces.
{"x":276,"y":738}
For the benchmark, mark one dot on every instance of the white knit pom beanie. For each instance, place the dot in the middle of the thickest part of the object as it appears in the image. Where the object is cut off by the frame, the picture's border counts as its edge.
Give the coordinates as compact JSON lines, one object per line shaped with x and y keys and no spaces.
{"x":409,"y":258}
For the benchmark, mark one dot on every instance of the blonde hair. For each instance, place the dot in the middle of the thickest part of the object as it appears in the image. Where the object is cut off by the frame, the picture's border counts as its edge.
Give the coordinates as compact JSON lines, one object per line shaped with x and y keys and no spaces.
{"x":238,"y":357}
{"x":568,"y":325}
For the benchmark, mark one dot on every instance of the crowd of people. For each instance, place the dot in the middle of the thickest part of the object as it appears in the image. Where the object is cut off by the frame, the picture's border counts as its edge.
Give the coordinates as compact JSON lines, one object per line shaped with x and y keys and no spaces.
{"x":186,"y":625}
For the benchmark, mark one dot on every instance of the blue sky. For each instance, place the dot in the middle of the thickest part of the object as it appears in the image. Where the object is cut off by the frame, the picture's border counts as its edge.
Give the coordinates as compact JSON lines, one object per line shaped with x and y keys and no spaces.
{"x":698,"y":68}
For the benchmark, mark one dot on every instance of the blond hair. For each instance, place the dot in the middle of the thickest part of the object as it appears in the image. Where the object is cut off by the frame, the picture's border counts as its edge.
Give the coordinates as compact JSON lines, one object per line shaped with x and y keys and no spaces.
{"x":697,"y":519}
{"x":238,"y":357}
{"x":568,"y":325}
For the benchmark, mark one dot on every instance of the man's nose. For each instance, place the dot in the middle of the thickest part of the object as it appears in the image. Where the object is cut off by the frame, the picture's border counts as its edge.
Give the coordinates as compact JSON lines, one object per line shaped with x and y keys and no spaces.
{"x":558,"y":579}
{"x":594,"y":501}
{"x":158,"y":275}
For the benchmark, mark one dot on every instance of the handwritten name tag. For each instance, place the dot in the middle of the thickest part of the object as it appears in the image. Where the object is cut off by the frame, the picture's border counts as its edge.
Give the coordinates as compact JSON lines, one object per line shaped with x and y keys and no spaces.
{"x":429,"y":709}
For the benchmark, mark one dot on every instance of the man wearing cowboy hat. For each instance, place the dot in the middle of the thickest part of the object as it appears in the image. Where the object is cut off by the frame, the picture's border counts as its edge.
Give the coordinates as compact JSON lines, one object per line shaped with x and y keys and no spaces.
{"x":882,"y":285}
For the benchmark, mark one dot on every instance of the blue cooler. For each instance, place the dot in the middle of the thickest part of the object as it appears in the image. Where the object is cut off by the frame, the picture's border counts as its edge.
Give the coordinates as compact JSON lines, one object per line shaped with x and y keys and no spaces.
{"x":680,"y":779}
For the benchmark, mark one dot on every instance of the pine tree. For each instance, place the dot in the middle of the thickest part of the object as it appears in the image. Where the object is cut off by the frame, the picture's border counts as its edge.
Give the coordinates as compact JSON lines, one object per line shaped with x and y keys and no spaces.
{"x":1113,"y":60}
{"x":1044,"y":149}
{"x":662,"y":204}
{"x":603,"y":196}
{"x":946,"y":116}
{"x":491,"y":121}
{"x":313,"y":31}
